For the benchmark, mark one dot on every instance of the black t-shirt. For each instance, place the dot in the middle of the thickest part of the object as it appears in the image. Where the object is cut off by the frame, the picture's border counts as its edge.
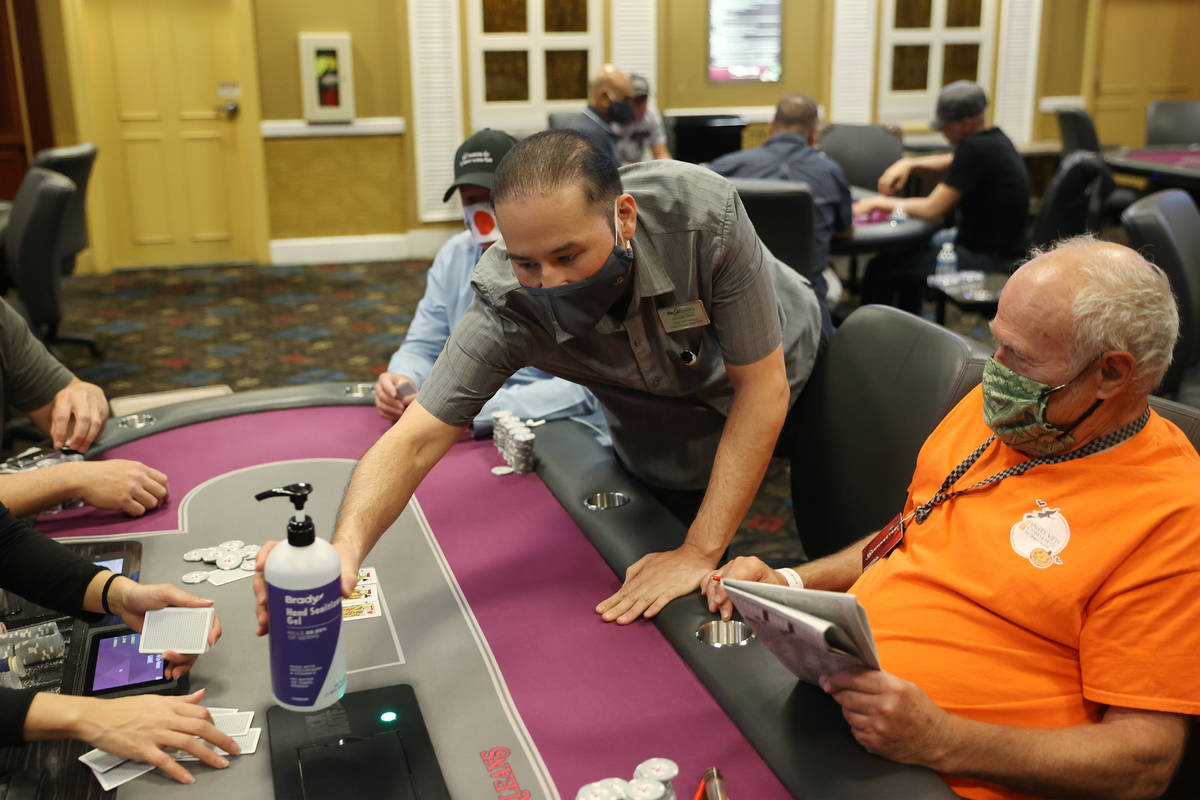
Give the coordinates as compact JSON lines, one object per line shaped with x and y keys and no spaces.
{"x":991,"y":175}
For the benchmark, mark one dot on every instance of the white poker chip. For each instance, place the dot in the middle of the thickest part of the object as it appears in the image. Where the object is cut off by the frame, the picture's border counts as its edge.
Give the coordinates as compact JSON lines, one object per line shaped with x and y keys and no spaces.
{"x":232,"y":544}
{"x":502,"y":470}
{"x":195,"y":577}
{"x":195,"y":555}
{"x":534,"y":423}
{"x":229,"y":560}
{"x":248,"y":563}
{"x":249,"y":550}
{"x":211,"y":553}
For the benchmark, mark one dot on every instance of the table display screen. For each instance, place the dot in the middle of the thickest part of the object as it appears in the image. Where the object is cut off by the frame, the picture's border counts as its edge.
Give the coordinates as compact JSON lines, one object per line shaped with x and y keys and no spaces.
{"x":119,"y":664}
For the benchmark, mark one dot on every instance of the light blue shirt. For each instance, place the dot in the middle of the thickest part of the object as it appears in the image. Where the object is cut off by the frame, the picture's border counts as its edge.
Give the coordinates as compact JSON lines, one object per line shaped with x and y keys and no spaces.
{"x":528,"y":393}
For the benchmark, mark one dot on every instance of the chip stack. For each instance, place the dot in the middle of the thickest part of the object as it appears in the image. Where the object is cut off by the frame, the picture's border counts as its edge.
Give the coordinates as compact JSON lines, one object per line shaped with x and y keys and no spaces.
{"x":647,"y":789}
{"x":597,"y":791}
{"x":513,"y":439}
{"x":661,"y":770}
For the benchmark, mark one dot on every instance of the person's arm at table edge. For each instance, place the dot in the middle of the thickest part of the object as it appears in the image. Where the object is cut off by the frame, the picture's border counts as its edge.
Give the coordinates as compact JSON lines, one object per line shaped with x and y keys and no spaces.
{"x":760,"y":404}
{"x":932,"y":208}
{"x":27,"y":493}
{"x":384,"y":480}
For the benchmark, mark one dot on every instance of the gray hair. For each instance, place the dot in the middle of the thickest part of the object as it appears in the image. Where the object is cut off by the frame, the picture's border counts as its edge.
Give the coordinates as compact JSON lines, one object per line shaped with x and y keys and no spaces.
{"x":1124,"y":303}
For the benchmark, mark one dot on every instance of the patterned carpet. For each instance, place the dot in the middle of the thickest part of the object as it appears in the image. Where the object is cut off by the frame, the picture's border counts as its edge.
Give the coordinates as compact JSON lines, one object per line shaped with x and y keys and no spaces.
{"x":258,"y":327}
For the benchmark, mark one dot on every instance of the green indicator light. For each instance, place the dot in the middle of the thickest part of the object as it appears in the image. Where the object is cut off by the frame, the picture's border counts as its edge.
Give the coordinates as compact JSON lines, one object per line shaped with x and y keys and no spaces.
{"x":387,"y":716}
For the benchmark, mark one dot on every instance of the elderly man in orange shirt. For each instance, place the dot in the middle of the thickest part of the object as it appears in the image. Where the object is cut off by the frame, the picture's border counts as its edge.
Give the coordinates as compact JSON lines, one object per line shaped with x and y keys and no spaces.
{"x":1037,"y":619}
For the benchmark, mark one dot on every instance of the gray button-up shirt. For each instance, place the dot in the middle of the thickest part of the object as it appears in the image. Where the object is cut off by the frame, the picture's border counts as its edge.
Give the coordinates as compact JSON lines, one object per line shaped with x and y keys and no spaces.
{"x":693,"y":242}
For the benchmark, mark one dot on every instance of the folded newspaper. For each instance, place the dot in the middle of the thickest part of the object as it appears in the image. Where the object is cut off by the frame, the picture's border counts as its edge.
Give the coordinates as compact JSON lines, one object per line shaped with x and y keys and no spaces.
{"x":813,"y":633}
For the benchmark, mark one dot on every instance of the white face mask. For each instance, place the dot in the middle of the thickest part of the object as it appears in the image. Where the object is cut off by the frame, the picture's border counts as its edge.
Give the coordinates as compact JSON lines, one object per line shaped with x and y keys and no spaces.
{"x":481,"y":222}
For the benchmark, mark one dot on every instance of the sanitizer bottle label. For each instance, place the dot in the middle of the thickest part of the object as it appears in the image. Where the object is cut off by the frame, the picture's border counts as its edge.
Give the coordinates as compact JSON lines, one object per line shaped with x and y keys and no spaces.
{"x":305,"y":625}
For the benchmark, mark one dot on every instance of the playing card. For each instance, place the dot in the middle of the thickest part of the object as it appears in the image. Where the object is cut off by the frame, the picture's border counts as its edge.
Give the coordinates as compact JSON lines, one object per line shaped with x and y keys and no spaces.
{"x":224,"y":576}
{"x":235,"y":724}
{"x":184,"y":630}
{"x":248,"y":742}
{"x":367,"y":575}
{"x":122,"y":773}
{"x":364,"y":591}
{"x":360,"y":609}
{"x":99,"y":760}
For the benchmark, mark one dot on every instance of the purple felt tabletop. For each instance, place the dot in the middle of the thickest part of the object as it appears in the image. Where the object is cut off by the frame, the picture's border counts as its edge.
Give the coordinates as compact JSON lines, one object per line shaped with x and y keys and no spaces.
{"x":598,"y":699}
{"x":1188,"y":158}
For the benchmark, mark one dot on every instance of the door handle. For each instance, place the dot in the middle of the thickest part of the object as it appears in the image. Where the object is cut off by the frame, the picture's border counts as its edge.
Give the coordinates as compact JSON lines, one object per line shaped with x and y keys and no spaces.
{"x":229,"y":109}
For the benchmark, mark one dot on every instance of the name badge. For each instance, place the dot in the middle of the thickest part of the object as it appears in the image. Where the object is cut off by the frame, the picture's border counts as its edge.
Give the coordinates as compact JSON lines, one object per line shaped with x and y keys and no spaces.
{"x":683,"y":316}
{"x":884,"y":542}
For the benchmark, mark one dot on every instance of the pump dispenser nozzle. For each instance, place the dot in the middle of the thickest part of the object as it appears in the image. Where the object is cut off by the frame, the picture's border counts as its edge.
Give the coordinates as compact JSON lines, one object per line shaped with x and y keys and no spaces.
{"x":300,"y":528}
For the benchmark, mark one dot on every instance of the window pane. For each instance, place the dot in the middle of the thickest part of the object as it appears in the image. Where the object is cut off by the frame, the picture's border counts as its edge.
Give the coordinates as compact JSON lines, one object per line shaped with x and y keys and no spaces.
{"x":504,"y":16}
{"x":505,"y":75}
{"x":964,"y":13}
{"x":566,"y":74}
{"x":910,"y":67}
{"x":960,"y":62}
{"x":566,"y":15}
{"x":914,"y":13}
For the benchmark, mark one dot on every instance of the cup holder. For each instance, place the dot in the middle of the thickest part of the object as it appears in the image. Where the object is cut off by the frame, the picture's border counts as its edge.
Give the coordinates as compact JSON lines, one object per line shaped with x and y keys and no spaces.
{"x":143,"y":420}
{"x":360,"y":390}
{"x":603,"y":501}
{"x":725,"y":633}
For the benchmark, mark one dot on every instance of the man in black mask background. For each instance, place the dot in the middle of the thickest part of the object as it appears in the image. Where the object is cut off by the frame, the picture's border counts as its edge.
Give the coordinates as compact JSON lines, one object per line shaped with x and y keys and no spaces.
{"x":649,"y":287}
{"x":610,"y":99}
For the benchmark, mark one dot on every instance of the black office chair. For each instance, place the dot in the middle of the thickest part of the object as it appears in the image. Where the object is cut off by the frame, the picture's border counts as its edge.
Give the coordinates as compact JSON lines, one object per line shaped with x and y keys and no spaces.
{"x":862,"y":151}
{"x":1173,"y":122}
{"x":1165,"y":228}
{"x":32,"y":254}
{"x":560,"y":119}
{"x":1077,"y":131}
{"x":702,"y":138}
{"x":1073,"y":202}
{"x":76,"y":163}
{"x":884,"y":383}
{"x":782,"y":214}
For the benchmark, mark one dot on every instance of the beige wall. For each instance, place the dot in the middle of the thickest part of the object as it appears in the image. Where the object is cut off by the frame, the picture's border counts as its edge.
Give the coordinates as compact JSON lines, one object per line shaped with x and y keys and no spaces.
{"x":366,"y":182}
{"x":683,"y":58}
{"x":58,"y":84}
{"x":1060,"y":58}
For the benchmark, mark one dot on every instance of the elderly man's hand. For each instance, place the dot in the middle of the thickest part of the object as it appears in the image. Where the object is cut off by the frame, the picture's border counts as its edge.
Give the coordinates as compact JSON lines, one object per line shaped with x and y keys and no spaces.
{"x":653,"y":581}
{"x":742,"y":568}
{"x":77,"y":415}
{"x":891,"y":717}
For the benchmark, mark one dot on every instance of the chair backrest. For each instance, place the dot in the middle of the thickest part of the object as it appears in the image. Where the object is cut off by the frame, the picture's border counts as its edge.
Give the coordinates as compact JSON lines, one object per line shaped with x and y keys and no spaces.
{"x":1077,"y":131}
{"x":30,"y":242}
{"x":76,"y":163}
{"x":862,"y":151}
{"x":885,"y":381}
{"x":1165,"y":228}
{"x":560,"y":119}
{"x":701,"y":138}
{"x":1072,"y":202}
{"x":1173,"y":122}
{"x":782,"y":214}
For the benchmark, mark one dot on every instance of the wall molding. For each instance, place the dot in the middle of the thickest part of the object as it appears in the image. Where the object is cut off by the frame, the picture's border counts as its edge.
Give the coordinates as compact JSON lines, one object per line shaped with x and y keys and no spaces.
{"x":748,"y":113}
{"x":355,"y":249}
{"x":302,"y":129}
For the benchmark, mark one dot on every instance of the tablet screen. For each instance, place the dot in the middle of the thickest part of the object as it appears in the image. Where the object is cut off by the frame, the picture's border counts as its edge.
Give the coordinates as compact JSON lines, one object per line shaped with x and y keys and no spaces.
{"x":119,"y":664}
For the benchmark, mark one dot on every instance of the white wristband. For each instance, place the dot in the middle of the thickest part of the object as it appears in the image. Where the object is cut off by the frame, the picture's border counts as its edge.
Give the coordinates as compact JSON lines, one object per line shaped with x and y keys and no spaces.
{"x":792,"y":577}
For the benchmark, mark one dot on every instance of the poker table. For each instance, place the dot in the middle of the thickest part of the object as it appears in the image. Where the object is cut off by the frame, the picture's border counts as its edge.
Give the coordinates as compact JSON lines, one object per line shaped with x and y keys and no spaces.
{"x":487,"y":589}
{"x":873,"y":235}
{"x":1165,"y":165}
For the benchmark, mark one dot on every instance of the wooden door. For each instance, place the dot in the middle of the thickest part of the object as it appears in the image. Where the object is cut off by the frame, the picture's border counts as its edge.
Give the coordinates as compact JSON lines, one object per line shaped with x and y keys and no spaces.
{"x":1145,"y":50}
{"x":177,"y":173}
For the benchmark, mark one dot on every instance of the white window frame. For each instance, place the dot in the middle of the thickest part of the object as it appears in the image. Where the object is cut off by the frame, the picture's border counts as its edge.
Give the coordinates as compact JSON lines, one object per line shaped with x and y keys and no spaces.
{"x":915,"y":108}
{"x":524,"y":117}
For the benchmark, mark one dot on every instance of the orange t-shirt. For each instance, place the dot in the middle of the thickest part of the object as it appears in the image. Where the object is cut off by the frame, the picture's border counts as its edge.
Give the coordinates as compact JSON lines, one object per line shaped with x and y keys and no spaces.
{"x":1040,"y":600}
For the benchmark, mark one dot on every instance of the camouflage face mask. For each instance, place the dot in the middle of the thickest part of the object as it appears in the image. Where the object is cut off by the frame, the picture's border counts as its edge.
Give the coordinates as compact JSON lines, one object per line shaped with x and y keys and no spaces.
{"x":1014,"y":407}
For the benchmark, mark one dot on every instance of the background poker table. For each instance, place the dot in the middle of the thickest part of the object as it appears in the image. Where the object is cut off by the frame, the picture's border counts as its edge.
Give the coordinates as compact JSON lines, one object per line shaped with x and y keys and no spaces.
{"x":1166,"y":165}
{"x":488,"y":588}
{"x":870,"y":237}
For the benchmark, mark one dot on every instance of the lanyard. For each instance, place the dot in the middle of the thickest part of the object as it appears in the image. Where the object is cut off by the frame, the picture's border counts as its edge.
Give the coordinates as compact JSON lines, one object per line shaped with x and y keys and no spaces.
{"x":921,"y":513}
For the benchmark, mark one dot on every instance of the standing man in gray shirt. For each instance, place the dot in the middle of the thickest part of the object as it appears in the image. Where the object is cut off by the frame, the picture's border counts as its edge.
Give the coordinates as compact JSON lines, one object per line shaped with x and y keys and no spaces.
{"x":649,"y":287}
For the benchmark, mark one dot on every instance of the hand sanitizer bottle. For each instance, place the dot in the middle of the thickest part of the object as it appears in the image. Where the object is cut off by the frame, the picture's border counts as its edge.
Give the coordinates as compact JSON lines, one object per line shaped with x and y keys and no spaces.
{"x":304,"y":601}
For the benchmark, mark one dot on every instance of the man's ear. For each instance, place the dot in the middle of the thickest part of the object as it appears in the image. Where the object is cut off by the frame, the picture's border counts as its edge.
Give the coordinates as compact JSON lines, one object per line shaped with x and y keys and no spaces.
{"x":1117,"y":371}
{"x":626,"y":216}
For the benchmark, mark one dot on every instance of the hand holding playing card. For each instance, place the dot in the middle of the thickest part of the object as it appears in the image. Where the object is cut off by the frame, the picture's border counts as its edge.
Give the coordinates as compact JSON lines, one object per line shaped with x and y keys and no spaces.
{"x":131,"y":600}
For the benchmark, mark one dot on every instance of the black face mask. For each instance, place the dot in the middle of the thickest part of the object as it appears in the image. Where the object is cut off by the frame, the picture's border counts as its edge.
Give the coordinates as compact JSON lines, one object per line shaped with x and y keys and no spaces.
{"x":578,"y":306}
{"x":621,"y":111}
